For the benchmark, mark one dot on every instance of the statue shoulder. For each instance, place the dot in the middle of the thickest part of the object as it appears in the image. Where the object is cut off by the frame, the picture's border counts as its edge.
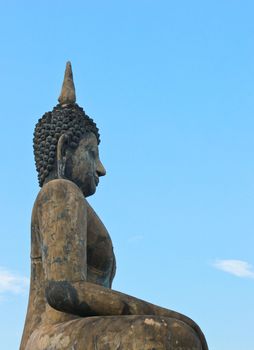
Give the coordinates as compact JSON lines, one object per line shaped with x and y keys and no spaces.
{"x":60,"y":190}
{"x":58,"y":199}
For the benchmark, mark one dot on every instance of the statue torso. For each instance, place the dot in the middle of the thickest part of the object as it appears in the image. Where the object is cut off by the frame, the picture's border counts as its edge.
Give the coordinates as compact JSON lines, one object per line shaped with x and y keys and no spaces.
{"x":100,"y":267}
{"x":100,"y":255}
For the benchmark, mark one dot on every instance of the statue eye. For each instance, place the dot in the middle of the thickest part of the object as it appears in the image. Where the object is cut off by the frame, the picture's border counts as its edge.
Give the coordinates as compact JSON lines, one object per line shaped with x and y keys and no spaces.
{"x":92,"y":153}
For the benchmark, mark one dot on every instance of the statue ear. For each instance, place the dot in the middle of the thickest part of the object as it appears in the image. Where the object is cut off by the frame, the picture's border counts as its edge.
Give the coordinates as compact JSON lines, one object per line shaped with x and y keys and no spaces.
{"x":61,"y":155}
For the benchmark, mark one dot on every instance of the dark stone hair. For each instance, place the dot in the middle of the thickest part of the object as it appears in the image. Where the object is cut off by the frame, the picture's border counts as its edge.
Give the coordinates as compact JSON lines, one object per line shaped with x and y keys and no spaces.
{"x":70,"y":120}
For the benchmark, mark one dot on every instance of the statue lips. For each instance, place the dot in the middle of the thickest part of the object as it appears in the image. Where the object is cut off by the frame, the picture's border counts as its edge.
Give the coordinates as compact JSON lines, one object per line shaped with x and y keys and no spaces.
{"x":96,"y":179}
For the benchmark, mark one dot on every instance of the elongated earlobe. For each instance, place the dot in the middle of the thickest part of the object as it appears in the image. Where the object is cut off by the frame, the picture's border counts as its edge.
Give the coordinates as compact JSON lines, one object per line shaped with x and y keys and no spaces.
{"x":61,"y":156}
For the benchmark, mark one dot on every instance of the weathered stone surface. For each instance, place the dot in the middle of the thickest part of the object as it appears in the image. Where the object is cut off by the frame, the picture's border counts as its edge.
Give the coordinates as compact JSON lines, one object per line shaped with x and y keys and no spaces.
{"x":116,"y":333}
{"x":71,"y":303}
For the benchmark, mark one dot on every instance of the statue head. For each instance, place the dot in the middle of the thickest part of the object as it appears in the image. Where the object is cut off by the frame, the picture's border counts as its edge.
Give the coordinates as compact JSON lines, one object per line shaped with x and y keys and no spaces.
{"x":66,"y":142}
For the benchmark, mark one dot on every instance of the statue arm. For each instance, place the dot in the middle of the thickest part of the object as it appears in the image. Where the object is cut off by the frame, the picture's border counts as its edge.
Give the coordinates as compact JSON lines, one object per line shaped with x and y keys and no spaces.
{"x":86,"y":299}
{"x":63,"y":221}
{"x":61,"y":215}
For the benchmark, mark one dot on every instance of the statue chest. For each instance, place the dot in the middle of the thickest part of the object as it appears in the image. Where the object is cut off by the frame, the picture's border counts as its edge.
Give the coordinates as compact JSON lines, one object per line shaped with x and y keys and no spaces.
{"x":100,"y":254}
{"x":100,"y":262}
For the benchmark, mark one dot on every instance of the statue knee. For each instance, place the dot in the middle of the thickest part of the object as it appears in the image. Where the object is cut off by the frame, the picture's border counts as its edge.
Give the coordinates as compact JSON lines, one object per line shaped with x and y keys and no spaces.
{"x":183,"y":337}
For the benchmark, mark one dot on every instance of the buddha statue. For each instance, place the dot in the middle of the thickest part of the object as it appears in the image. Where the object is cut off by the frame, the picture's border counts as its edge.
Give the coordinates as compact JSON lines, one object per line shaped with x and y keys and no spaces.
{"x":71,"y":303}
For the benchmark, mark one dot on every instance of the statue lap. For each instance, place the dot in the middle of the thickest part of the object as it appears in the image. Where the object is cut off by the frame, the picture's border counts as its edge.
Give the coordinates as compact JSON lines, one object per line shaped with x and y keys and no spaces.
{"x":116,"y":333}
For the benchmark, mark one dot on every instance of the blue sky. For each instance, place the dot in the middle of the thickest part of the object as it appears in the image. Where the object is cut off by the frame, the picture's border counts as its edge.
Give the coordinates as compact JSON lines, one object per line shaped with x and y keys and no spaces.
{"x":171,"y":87}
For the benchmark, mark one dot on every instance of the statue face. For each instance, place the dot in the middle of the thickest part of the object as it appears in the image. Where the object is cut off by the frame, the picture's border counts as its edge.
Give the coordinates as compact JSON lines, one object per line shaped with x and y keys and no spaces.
{"x":83,"y":165}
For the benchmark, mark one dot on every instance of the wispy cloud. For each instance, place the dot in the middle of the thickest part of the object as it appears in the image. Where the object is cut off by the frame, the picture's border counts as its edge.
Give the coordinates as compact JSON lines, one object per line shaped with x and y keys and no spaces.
{"x":239,"y":268}
{"x":12,"y":283}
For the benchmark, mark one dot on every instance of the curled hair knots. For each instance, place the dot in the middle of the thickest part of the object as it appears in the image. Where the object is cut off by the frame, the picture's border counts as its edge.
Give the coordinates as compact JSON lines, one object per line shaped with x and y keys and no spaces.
{"x":70,"y":120}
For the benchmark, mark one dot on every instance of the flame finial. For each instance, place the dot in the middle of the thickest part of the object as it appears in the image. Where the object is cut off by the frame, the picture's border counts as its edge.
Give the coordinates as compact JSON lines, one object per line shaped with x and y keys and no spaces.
{"x":67,"y":95}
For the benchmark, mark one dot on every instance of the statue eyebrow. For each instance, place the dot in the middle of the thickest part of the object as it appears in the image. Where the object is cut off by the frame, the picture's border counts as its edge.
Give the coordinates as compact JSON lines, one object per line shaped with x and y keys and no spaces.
{"x":92,"y":148}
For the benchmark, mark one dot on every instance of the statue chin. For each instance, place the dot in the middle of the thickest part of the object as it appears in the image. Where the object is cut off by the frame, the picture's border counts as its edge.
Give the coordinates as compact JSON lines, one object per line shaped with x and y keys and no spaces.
{"x":87,"y":189}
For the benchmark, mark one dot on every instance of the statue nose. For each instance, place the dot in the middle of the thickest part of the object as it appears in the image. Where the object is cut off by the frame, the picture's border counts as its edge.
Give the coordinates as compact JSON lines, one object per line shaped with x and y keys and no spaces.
{"x":101,"y":171}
